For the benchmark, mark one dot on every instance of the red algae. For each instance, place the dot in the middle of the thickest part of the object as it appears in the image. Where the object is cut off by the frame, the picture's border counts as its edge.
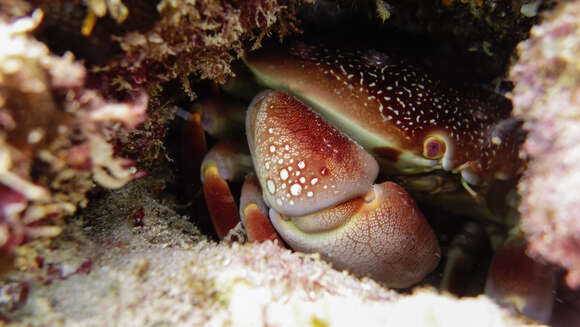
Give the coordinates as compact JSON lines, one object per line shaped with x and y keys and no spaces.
{"x":54,"y":135}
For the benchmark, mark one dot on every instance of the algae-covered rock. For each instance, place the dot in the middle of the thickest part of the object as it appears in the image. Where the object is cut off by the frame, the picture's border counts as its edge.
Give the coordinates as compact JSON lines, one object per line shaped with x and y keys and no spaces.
{"x":546,"y":96}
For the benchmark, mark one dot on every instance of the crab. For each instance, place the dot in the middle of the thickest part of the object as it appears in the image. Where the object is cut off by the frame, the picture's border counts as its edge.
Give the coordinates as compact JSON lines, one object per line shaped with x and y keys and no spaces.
{"x":330,"y":121}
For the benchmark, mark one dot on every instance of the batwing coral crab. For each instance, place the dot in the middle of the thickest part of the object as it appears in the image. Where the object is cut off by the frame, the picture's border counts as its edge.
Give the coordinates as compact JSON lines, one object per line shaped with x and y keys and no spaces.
{"x":308,"y":137}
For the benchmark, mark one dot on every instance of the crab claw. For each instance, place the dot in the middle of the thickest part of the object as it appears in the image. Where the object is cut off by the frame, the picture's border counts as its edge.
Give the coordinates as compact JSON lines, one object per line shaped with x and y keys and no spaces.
{"x":303,"y":163}
{"x":318,"y":184}
{"x":385,"y":237}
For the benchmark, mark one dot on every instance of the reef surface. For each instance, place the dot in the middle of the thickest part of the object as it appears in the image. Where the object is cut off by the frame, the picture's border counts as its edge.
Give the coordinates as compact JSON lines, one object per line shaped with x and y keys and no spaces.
{"x":88,"y":90}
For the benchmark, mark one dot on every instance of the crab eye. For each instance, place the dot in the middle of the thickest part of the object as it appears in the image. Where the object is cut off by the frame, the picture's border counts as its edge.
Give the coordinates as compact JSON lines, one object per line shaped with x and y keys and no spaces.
{"x":434,"y":147}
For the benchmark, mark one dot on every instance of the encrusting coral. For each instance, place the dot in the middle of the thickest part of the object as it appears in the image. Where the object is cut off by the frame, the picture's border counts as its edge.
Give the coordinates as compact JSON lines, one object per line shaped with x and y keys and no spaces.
{"x":547,"y":97}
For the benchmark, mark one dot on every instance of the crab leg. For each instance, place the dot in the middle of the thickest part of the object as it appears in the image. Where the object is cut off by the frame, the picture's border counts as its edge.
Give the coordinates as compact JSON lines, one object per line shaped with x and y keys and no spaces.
{"x":516,"y":279}
{"x":227,"y":161}
{"x":461,"y":259}
{"x":193,"y":149}
{"x":318,"y":185}
{"x":222,"y":117}
{"x":254,"y":213}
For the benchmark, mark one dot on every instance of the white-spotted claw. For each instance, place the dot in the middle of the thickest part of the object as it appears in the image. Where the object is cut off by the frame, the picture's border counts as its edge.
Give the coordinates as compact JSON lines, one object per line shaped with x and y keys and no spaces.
{"x":318,"y":184}
{"x":303,"y":163}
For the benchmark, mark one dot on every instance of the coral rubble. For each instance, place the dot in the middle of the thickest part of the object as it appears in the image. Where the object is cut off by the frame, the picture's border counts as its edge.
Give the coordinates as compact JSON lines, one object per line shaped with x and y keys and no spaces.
{"x":161,"y":271}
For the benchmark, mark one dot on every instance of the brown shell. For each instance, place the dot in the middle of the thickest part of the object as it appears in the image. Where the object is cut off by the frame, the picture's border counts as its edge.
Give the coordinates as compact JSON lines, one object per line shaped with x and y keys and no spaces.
{"x":399,"y":102}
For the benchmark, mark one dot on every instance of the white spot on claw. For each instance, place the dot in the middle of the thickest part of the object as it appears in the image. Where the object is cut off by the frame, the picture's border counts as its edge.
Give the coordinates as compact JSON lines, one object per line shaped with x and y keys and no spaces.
{"x":301,"y":165}
{"x":296,"y":189}
{"x":283,"y":174}
{"x":271,"y":186}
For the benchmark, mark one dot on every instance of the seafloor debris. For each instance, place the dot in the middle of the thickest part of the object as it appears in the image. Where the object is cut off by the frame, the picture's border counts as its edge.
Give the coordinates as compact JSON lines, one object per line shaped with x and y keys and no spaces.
{"x":547,"y":96}
{"x":107,"y":270}
{"x":54,"y":135}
